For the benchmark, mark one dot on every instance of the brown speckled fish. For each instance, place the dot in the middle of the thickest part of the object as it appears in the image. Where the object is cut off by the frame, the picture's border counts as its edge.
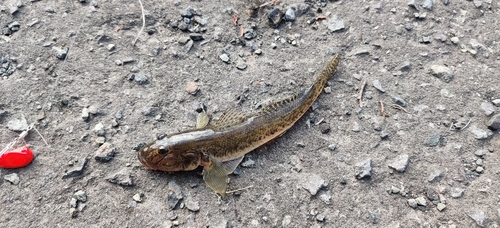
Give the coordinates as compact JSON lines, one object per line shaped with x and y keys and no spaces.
{"x":220,"y":148}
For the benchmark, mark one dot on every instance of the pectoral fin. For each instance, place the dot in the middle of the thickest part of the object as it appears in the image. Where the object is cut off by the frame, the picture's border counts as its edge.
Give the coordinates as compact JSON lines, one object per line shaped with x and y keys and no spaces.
{"x":202,"y":120}
{"x":215,"y":175}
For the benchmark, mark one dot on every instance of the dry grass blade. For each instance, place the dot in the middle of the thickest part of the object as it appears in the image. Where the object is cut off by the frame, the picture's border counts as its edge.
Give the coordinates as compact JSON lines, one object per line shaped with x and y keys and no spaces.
{"x":239,"y":189}
{"x":143,"y":23}
{"x":360,"y":96}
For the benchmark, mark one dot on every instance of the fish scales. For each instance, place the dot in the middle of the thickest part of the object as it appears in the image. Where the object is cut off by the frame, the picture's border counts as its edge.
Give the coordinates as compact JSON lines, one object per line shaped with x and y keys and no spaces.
{"x":220,"y":147}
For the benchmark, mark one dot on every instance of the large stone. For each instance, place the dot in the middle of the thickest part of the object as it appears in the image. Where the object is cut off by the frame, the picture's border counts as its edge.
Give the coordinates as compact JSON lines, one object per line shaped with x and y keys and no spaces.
{"x":77,"y":168}
{"x":442,"y":72}
{"x":494,"y":122}
{"x":313,"y":183}
{"x":363,"y":169}
{"x":122,"y":177}
{"x":400,"y":163}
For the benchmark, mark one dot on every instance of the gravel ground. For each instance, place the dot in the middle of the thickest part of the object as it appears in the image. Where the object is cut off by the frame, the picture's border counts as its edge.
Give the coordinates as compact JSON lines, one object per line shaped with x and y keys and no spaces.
{"x":429,"y":158}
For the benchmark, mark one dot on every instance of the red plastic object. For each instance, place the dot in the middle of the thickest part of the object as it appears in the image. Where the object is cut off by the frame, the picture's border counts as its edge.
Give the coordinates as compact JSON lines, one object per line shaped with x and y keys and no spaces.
{"x":17,"y":158}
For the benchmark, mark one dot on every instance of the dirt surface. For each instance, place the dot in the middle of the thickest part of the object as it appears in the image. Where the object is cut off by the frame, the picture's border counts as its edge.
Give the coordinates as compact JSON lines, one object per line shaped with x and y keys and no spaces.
{"x":108,"y":89}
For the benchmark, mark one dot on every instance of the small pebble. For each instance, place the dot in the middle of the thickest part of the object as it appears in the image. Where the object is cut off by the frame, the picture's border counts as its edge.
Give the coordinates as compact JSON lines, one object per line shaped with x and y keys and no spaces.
{"x":183,"y":40}
{"x":427,"y":4}
{"x":488,"y":108}
{"x":455,"y":40}
{"x":442,"y":72}
{"x":100,"y":140}
{"x":435,"y":176}
{"x":77,"y":168}
{"x":457,"y":192}
{"x":480,"y":153}
{"x":140,"y":78}
{"x":105,"y":153}
{"x":378,"y":86}
{"x":81,"y":196}
{"x":137,"y":198}
{"x":332,"y":147}
{"x":412,"y":203}
{"x":191,"y":205}
{"x":19,"y":123}
{"x":13,"y":178}
{"x":192,"y":88}
{"x":224,"y":57}
{"x":356,"y":127}
{"x":110,"y":47}
{"x":313,"y":183}
{"x":325,"y":198}
{"x":400,"y":163}
{"x":398,"y":100}
{"x":479,"y":217}
{"x":494,"y":122}
{"x":441,"y":206}
{"x":496,"y":102}
{"x":174,"y":194}
{"x":121,"y":177}
{"x":363,"y":169}
{"x":433,"y":140}
{"x":60,"y":52}
{"x":395,"y":190}
{"x":479,"y":169}
{"x":73,"y":212}
{"x":421,"y":201}
{"x":325,"y":128}
{"x":320,"y":218}
{"x":241,"y":65}
{"x":335,"y":24}
{"x":249,"y":163}
{"x":290,"y":15}
{"x":480,"y":134}
{"x":73,"y":202}
{"x":275,"y":15}
{"x":196,"y":37}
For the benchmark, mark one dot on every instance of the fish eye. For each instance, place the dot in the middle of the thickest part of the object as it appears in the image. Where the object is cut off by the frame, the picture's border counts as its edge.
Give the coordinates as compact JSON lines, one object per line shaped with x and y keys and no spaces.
{"x":160,"y":137}
{"x":162,"y":150}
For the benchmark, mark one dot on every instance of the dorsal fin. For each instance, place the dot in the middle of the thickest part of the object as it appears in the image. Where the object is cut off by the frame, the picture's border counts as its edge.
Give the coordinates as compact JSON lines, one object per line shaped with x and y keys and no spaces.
{"x":280,"y":106}
{"x":229,"y":119}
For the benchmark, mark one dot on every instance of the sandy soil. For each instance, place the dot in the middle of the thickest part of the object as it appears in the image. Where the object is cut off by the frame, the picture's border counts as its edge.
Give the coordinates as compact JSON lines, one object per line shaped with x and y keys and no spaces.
{"x":440,"y":65}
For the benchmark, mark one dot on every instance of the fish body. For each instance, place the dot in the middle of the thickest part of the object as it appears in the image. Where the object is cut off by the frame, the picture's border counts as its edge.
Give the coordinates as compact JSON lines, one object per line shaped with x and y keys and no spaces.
{"x":219,"y":148}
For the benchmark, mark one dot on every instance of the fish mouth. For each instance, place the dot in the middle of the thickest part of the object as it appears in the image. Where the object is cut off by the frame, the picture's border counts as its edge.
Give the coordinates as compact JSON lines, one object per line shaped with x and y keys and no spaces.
{"x":144,"y":161}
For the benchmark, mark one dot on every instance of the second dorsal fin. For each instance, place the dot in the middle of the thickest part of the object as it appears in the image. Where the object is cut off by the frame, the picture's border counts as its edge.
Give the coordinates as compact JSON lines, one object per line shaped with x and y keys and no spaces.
{"x":229,"y":119}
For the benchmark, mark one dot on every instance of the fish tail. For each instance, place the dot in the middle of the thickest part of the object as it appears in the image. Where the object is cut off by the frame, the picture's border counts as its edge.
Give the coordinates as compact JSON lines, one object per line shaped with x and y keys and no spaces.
{"x":327,"y":72}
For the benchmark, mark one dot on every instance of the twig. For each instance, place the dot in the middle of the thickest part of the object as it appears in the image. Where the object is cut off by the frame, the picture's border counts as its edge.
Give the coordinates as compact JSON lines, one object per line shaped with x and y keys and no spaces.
{"x":466,"y":124}
{"x":240,"y":189}
{"x":143,"y":23}
{"x":395,"y":106}
{"x":235,"y":19}
{"x":320,"y":121}
{"x":272,"y":2}
{"x":382,"y":110}
{"x":360,"y":96}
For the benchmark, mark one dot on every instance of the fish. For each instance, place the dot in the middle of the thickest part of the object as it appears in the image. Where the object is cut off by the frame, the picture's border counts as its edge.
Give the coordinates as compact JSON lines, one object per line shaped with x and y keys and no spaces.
{"x":221,"y":146}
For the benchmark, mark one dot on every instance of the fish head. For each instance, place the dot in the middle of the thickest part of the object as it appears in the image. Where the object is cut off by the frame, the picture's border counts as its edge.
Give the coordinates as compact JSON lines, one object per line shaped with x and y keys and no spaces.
{"x":177,"y":152}
{"x":167,"y":159}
